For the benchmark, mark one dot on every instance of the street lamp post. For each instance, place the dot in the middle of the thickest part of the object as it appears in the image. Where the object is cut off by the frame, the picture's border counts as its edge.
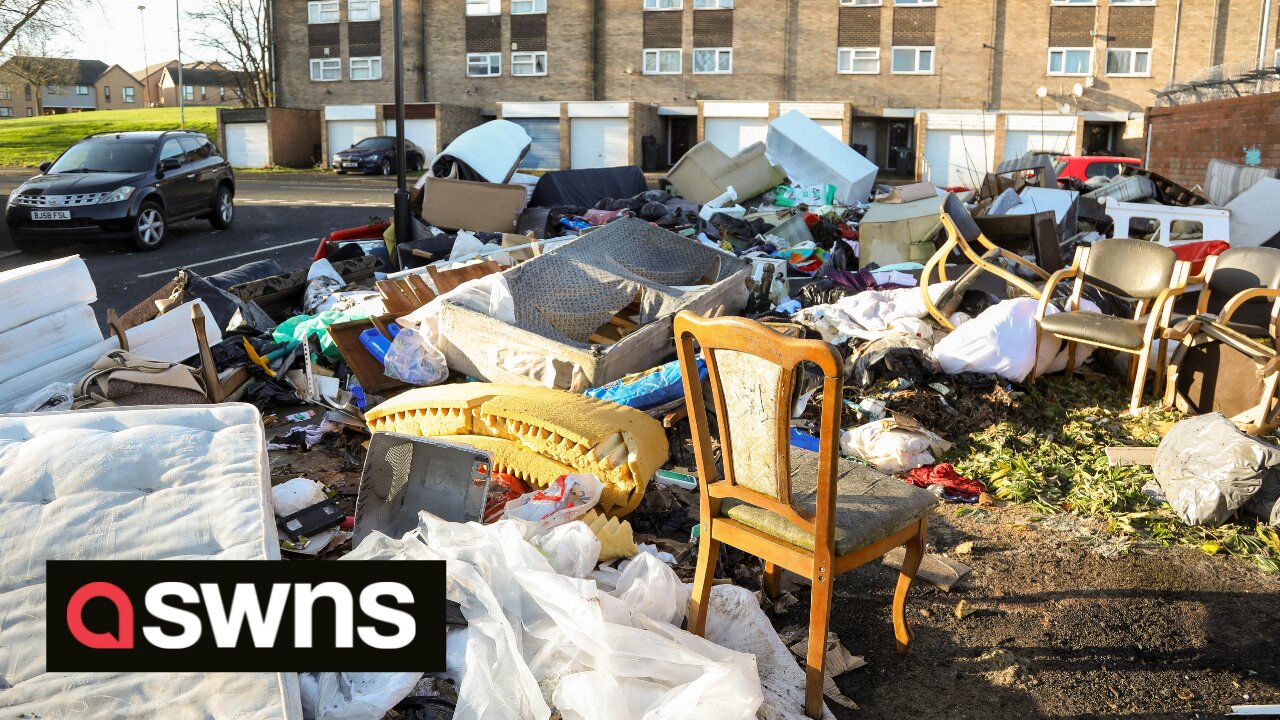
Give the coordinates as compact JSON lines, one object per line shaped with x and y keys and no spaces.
{"x":146,"y":82}
{"x":182,"y":89}
{"x":401,"y":216}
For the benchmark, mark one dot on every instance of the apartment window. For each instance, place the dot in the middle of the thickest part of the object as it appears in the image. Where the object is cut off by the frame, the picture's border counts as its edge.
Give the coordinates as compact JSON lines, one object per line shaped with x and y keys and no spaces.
{"x":363,"y":10}
{"x":26,"y":93}
{"x":913,"y":2}
{"x":6,"y":112}
{"x":222,"y":93}
{"x":1070,"y":61}
{"x":49,"y":89}
{"x":1074,"y":2}
{"x":528,"y":7}
{"x":126,"y":94}
{"x":484,"y":64}
{"x":326,"y":70}
{"x":1131,"y":62}
{"x":712,"y":5}
{"x":853,"y":3}
{"x":858,"y":61}
{"x":663,"y":4}
{"x":662,"y":61}
{"x":528,"y":63}
{"x":912,"y":60}
{"x":484,"y":7}
{"x":82,"y":89}
{"x":712,"y":61}
{"x":204,"y":92}
{"x":106,"y":93}
{"x":188,"y":92}
{"x":30,"y":112}
{"x":322,"y":11}
{"x":366,"y":68}
{"x":1133,"y":2}
{"x":5,"y":93}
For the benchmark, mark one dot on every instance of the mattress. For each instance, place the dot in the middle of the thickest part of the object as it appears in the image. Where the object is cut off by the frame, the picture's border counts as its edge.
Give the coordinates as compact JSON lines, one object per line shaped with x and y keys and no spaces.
{"x":147,"y":483}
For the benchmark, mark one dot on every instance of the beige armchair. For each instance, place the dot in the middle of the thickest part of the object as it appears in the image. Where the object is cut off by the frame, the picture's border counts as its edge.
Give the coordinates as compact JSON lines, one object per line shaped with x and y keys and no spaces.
{"x":705,"y":171}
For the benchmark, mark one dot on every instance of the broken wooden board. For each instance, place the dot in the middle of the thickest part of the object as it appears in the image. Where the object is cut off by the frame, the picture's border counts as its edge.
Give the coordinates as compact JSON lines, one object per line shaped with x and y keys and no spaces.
{"x":937,"y":570}
{"x":446,"y":280}
{"x":1130,"y":456}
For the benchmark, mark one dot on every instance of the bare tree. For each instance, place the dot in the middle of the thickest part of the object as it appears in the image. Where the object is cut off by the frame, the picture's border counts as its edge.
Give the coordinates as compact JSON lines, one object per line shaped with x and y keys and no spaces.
{"x":240,"y":32}
{"x":33,"y":19}
{"x":41,"y":72}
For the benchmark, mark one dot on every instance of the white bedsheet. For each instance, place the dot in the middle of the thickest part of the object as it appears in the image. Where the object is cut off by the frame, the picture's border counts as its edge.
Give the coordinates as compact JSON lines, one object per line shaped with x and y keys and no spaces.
{"x":190,"y":482}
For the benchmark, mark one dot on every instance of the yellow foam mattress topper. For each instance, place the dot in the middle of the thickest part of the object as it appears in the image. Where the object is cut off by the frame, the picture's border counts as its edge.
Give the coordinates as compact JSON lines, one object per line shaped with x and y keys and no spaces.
{"x":622,"y":446}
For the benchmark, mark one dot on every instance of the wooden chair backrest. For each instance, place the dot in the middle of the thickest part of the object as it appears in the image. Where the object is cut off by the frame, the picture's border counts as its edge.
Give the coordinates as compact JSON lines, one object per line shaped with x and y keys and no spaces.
{"x":751,"y":369}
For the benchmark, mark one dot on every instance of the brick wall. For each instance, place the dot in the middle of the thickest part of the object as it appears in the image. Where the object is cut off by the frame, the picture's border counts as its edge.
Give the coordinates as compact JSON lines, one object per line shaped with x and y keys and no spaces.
{"x":914,"y":26}
{"x":1071,"y":26}
{"x":713,"y":28}
{"x":859,"y":27}
{"x":1184,"y":139}
{"x":1130,"y":27}
{"x":663,"y":29}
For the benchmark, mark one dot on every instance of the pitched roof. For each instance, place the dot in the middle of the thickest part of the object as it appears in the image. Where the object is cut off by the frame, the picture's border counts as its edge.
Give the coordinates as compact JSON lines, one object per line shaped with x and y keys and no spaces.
{"x":204,"y":76}
{"x":153,"y":68}
{"x":86,"y":72}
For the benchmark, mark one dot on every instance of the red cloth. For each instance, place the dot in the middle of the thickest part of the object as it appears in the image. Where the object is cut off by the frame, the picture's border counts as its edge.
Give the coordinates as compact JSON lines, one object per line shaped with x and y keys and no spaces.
{"x":1196,"y":252}
{"x":953,"y":483}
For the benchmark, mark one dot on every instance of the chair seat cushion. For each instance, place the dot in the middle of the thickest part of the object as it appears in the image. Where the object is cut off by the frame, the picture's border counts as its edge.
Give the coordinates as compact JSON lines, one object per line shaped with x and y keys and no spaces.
{"x":1096,"y":329}
{"x":870,"y":505}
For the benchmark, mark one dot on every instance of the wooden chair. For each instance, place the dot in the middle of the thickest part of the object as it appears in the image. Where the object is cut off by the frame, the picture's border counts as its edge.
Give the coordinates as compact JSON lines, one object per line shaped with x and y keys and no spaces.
{"x":1144,"y":272}
{"x":962,"y":234}
{"x":821,"y":518}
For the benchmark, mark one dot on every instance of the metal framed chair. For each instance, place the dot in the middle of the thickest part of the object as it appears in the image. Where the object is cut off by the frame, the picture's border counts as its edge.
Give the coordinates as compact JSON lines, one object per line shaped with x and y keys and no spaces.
{"x":963,"y":234}
{"x":818,"y":516}
{"x":1144,"y":272}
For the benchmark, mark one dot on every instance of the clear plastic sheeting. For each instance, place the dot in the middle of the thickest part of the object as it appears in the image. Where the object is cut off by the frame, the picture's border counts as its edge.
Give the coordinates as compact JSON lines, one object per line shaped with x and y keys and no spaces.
{"x":537,"y":637}
{"x":353,"y":696}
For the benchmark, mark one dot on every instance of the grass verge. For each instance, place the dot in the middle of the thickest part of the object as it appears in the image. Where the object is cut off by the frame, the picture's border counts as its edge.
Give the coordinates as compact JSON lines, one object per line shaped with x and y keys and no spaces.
{"x":27,"y":142}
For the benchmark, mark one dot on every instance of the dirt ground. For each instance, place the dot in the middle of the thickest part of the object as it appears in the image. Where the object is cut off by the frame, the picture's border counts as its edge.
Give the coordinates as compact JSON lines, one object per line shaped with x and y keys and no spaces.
{"x":1058,"y":630}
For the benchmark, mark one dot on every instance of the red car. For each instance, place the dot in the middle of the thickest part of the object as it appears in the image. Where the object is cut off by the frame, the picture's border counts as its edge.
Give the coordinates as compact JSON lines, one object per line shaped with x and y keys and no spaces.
{"x":1083,"y":167}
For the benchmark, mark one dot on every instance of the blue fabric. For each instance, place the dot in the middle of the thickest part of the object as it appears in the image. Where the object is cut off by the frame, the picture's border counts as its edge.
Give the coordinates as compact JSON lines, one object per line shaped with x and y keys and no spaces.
{"x":651,"y":388}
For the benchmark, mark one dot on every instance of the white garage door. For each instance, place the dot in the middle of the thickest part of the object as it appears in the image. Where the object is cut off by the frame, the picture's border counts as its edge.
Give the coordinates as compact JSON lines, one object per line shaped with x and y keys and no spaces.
{"x":345,"y":133}
{"x":597,"y":143}
{"x":733,"y":134}
{"x":835,"y":127}
{"x":1019,"y":142}
{"x":247,"y":145}
{"x":420,"y":132}
{"x":958,"y":157}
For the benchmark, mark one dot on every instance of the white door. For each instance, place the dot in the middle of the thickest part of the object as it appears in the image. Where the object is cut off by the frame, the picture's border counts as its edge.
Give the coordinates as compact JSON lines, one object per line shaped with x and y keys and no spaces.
{"x":420,"y":132}
{"x":597,"y":143}
{"x":247,"y":145}
{"x":733,"y":134}
{"x":864,"y":133}
{"x":835,"y":127}
{"x":345,"y":133}
{"x":958,"y":157}
{"x":1019,"y":142}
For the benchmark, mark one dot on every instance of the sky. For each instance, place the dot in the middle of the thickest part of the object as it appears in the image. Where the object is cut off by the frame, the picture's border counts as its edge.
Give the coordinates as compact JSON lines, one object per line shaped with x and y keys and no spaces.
{"x":111,"y":31}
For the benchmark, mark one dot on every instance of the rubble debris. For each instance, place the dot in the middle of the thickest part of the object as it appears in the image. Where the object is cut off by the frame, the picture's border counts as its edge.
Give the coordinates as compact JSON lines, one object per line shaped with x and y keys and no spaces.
{"x":937,"y":570}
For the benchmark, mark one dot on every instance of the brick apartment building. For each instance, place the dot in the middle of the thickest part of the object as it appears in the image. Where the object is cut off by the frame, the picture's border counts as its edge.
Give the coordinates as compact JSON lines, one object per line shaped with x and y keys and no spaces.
{"x":938,"y":88}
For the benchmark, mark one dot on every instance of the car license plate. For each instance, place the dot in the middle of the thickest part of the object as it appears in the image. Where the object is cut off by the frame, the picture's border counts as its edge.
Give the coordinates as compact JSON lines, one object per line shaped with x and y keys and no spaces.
{"x":50,"y":214}
{"x":351,"y":163}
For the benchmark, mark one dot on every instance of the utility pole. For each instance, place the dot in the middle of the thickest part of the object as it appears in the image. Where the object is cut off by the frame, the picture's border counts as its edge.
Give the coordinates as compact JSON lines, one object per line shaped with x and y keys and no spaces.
{"x":146,"y":81}
{"x":182,"y":89}
{"x":401,"y":216}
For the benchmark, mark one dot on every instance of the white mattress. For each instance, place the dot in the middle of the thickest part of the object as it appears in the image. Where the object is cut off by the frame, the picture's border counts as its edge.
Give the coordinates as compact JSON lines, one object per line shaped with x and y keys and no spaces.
{"x":172,"y":483}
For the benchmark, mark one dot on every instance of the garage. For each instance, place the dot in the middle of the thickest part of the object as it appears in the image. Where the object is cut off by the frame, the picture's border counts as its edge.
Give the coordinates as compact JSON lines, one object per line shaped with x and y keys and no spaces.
{"x":1033,"y":133}
{"x":246,"y":145}
{"x":828,"y":116}
{"x":544,"y":151}
{"x":345,"y":133}
{"x":958,"y":148}
{"x":598,"y":143}
{"x":419,"y":132}
{"x":733,"y":134}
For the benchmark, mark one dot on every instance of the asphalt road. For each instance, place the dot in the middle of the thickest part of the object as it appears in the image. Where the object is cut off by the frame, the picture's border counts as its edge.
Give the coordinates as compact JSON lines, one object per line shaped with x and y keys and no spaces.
{"x":278,"y":216}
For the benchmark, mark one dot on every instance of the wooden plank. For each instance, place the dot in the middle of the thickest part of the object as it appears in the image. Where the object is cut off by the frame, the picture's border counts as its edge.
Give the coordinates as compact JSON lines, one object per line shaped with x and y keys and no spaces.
{"x":449,"y":279}
{"x":394,"y":299}
{"x":1130,"y":455}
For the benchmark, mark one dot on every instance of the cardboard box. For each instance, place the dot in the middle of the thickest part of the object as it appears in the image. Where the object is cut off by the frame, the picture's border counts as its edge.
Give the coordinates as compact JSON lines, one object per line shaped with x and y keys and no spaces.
{"x":476,"y":206}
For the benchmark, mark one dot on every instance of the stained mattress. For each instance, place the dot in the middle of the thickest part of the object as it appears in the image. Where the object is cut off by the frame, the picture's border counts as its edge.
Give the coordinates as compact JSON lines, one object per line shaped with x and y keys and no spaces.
{"x":148,"y":483}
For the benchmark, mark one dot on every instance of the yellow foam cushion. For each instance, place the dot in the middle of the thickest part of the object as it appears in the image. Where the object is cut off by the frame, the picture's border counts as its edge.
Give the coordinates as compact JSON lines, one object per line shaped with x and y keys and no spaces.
{"x":432,"y":411}
{"x":616,"y":538}
{"x":514,"y":459}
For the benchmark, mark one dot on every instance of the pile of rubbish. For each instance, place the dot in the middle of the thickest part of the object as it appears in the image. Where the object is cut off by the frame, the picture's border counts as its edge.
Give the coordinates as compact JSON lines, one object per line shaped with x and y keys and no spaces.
{"x":500,"y":392}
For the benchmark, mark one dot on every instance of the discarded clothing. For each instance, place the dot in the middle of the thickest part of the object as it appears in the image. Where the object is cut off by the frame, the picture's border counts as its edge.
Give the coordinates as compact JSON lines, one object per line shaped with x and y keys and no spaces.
{"x":953,"y":485}
{"x":893,"y":445}
{"x":897,"y":355}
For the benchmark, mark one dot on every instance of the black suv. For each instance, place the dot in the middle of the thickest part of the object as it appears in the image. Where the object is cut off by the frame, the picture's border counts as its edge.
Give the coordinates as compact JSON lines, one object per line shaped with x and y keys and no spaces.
{"x":128,"y":185}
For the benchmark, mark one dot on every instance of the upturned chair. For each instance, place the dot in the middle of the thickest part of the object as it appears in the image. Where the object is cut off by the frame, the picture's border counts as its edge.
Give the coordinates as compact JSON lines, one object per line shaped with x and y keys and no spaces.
{"x":819,"y":516}
{"x":1141,"y":271}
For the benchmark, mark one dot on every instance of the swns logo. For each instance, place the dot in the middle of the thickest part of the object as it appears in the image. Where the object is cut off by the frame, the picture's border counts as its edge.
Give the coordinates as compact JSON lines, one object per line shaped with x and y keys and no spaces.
{"x":243,"y":616}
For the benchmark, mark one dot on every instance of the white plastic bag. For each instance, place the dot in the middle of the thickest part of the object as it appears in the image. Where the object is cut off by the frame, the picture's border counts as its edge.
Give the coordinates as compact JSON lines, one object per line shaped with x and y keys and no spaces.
{"x":414,"y":360}
{"x":572,"y":549}
{"x":1001,"y":340}
{"x":652,"y":589}
{"x":892,"y":446}
{"x":295,"y":495}
{"x":565,"y":500}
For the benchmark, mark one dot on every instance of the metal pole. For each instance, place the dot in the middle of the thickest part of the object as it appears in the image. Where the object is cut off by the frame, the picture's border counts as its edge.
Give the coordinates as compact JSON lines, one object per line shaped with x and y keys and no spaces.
{"x":146,"y":83}
{"x":401,"y":216}
{"x":182,"y":90}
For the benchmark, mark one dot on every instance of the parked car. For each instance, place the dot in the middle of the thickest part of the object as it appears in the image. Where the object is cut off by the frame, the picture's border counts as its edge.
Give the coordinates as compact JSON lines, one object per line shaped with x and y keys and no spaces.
{"x":129,"y":185}
{"x":377,"y":155}
{"x":1084,"y":167}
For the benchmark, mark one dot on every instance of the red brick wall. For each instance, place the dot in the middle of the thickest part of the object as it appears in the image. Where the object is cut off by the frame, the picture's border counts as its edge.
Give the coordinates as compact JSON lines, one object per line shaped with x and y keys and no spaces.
{"x":1184,"y":139}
